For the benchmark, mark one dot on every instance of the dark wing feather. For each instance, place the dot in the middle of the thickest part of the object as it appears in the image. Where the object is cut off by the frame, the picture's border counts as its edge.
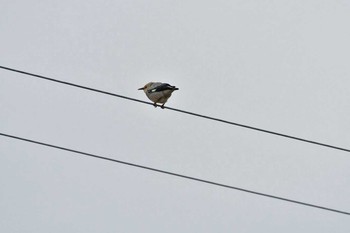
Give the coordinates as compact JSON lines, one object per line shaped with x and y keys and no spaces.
{"x":162,"y":87}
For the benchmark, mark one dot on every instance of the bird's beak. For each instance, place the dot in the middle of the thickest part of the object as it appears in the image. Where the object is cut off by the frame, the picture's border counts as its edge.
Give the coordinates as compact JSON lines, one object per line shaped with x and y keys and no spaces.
{"x":141,"y":88}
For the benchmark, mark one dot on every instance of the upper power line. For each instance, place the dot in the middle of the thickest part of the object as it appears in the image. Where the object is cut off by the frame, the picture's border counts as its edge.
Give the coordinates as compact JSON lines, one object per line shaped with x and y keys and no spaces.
{"x":175,"y":174}
{"x":179,"y":110}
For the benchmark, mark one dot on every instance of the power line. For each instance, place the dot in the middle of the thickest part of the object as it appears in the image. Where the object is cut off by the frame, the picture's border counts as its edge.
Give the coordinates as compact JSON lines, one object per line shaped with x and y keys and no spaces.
{"x":174,"y":174}
{"x":179,"y":110}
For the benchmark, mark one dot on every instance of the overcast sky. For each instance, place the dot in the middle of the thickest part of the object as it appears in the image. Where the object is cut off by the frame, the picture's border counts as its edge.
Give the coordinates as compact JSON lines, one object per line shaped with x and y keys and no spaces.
{"x":276,"y":65}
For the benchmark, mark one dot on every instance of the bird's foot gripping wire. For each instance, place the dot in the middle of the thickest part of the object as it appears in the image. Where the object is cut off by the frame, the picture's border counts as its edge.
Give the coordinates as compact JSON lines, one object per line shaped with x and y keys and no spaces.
{"x":156,"y":105}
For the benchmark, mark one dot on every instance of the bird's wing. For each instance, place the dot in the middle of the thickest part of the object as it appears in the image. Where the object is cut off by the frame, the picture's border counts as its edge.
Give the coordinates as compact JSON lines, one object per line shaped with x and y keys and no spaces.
{"x":161,"y":87}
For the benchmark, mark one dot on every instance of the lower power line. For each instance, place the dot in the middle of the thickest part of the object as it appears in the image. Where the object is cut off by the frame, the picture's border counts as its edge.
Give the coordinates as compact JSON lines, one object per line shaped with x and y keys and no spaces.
{"x":175,"y":174}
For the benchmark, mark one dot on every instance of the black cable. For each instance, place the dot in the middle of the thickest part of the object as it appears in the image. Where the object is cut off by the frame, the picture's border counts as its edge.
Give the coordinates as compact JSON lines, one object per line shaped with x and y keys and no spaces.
{"x":181,"y":111}
{"x":175,"y":174}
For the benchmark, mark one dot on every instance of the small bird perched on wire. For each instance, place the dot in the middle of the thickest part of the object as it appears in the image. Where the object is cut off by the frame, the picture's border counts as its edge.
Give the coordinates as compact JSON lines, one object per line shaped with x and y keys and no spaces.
{"x":158,"y":92}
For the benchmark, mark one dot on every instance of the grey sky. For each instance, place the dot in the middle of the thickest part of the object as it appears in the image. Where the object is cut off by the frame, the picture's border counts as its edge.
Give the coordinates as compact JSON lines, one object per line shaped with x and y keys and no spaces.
{"x":278,"y":65}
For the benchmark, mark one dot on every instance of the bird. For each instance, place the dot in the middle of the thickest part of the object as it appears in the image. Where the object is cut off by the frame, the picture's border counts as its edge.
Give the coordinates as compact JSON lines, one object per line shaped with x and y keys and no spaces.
{"x":158,"y":92}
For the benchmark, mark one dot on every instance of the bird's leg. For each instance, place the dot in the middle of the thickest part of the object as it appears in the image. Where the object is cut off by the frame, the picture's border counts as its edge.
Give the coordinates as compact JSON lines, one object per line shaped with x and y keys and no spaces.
{"x":155,"y":105}
{"x":162,"y":106}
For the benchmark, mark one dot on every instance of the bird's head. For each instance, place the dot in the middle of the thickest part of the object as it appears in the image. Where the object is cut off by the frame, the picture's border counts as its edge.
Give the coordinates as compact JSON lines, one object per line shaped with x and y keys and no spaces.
{"x":146,"y":86}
